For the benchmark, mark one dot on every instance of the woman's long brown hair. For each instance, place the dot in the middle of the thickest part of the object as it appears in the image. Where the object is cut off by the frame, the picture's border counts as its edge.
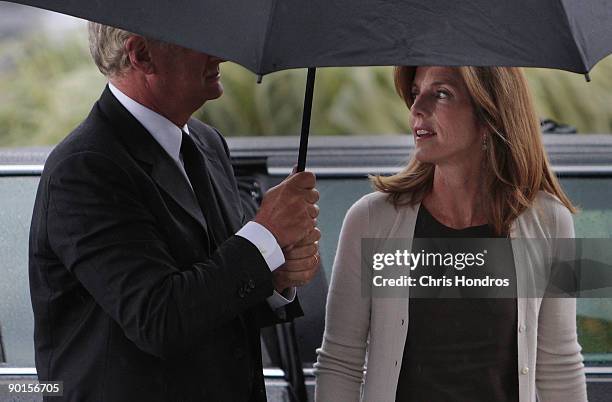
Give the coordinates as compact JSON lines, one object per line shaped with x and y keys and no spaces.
{"x":517,"y":165}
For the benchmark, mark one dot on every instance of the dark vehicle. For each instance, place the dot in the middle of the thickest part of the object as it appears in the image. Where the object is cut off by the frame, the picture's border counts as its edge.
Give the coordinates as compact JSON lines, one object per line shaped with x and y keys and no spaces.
{"x":342,"y":165}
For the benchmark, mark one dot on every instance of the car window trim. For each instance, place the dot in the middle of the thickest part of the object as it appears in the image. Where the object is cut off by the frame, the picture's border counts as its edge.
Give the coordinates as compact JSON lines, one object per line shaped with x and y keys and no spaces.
{"x":278,"y":373}
{"x":21,"y":170}
{"x":358,"y":171}
{"x":348,"y":171}
{"x":11,"y":371}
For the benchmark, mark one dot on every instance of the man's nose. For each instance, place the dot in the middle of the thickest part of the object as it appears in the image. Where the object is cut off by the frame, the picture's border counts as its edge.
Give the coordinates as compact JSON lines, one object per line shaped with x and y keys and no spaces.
{"x":217,"y":60}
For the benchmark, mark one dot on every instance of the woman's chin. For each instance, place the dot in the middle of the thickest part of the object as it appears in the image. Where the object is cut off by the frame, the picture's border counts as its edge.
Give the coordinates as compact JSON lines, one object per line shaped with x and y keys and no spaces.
{"x":425,"y":157}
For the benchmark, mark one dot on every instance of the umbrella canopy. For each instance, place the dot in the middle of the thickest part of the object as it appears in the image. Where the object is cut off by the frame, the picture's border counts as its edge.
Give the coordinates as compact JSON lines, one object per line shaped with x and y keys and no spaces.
{"x":269,"y":35}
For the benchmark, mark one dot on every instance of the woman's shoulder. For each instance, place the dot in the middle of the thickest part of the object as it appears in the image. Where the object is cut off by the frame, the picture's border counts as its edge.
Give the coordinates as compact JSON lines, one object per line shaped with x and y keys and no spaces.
{"x":375,"y":203}
{"x":374,"y":199}
{"x":549,"y":203}
{"x":361,"y":209}
{"x":376,"y":213}
{"x":553,"y":214}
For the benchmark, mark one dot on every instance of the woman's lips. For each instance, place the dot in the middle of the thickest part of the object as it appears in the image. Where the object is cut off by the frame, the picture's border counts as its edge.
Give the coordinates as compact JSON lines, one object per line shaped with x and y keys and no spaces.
{"x":422,"y":134}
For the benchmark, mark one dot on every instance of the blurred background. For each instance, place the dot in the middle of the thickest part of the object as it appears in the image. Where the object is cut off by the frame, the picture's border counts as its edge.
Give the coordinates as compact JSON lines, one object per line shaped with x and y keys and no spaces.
{"x":48,"y":84}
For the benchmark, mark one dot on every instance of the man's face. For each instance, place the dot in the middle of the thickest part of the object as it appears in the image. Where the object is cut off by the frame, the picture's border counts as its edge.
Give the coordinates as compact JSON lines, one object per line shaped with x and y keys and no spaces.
{"x":188,"y":77}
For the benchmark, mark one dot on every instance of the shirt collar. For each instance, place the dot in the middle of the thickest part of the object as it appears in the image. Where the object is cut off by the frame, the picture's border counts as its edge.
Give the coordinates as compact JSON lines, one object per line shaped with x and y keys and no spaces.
{"x":166,"y":133}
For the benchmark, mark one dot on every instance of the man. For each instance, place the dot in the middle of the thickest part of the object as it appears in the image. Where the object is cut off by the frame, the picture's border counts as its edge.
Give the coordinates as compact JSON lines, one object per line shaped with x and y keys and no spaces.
{"x":146,"y":284}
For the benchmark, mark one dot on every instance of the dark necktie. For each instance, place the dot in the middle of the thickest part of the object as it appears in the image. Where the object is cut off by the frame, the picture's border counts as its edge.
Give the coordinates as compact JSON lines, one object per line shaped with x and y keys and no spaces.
{"x":197,"y":172}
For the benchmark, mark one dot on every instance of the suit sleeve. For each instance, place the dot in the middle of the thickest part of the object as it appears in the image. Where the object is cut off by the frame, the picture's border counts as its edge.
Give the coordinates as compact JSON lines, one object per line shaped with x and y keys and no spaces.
{"x":341,"y":358}
{"x":264,"y":315}
{"x":102,"y":231}
{"x":559,"y":366}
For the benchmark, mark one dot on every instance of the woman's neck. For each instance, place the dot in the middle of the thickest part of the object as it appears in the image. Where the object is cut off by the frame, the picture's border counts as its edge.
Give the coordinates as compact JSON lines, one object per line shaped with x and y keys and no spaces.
{"x":457,"y":196}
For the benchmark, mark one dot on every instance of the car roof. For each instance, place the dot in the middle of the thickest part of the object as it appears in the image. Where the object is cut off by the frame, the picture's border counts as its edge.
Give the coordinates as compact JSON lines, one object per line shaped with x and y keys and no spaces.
{"x":362,"y":154}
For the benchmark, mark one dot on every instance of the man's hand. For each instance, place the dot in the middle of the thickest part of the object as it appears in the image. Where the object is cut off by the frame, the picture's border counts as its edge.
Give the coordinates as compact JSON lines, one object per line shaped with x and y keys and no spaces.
{"x":289,"y":210}
{"x":301,"y":263}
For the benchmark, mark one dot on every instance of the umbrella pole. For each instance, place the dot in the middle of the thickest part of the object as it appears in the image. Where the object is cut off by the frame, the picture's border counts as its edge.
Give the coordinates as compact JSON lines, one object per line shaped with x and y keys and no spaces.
{"x":310,"y":81}
{"x":286,"y":332}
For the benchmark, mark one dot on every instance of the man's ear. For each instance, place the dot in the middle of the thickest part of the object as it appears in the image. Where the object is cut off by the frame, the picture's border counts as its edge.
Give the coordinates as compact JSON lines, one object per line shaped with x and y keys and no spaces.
{"x":139,"y":52}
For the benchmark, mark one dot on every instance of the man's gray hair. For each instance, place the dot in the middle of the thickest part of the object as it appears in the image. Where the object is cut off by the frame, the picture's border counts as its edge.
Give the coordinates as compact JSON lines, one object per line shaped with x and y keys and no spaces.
{"x":107,"y":47}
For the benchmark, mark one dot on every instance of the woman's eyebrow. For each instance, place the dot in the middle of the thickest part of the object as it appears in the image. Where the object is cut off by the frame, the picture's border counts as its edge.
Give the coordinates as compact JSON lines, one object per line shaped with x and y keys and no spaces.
{"x":445,"y":81}
{"x":441,"y":81}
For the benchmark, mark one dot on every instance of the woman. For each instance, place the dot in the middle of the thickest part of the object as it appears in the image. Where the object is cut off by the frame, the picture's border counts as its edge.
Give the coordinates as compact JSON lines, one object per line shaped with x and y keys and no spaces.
{"x":479,"y":170}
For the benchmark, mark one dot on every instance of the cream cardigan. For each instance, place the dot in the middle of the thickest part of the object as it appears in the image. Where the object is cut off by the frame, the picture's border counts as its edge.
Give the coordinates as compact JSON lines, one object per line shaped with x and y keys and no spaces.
{"x":549,"y":359}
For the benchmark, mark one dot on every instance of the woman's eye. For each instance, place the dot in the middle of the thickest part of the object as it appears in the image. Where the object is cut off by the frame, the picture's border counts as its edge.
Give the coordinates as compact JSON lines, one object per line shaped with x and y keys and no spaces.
{"x":442,"y":94}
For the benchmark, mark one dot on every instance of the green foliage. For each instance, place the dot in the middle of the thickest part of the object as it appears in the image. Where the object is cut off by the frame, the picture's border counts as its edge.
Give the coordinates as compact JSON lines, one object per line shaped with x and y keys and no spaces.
{"x":346,"y":101}
{"x":594,"y":335}
{"x":48,"y":86}
{"x":567,"y":97}
{"x":46,"y":89}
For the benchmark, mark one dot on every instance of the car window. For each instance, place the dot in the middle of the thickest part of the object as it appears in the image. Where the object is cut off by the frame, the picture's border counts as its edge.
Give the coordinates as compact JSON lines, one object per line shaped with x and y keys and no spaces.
{"x":594,"y":316}
{"x":16,"y":319}
{"x":336,"y":197}
{"x":593,"y":197}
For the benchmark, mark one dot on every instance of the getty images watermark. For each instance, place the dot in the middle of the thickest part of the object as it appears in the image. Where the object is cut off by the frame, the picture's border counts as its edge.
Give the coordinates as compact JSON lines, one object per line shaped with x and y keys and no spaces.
{"x":410,"y":260}
{"x":486,"y":267}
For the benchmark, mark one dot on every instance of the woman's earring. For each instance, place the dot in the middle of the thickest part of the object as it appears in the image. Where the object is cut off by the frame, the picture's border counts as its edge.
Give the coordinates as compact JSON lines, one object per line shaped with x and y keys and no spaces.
{"x":484,"y":143}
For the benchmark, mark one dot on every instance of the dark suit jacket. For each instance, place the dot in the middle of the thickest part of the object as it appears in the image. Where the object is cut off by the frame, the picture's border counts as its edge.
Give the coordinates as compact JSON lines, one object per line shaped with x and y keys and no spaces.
{"x":129,"y":302}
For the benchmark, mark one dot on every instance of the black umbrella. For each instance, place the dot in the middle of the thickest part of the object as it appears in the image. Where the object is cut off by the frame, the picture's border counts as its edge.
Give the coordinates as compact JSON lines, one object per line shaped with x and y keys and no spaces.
{"x":270,"y":35}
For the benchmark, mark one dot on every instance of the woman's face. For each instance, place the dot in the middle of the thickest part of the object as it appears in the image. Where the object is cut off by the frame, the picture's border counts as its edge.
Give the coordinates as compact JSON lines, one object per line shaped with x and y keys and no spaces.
{"x":444,"y":124}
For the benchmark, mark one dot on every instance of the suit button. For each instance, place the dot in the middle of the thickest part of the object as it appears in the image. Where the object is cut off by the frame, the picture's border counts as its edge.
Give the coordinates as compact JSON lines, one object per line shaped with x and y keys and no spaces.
{"x":251,"y":284}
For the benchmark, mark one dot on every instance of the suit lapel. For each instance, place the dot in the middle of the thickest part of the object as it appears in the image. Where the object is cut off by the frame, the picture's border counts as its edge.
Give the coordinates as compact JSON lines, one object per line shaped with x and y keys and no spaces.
{"x":143,"y":147}
{"x":170,"y":179}
{"x":222,"y":186}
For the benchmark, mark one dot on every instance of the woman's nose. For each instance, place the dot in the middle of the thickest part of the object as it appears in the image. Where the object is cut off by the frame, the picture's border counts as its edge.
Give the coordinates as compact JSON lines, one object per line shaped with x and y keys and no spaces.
{"x":419,"y":106}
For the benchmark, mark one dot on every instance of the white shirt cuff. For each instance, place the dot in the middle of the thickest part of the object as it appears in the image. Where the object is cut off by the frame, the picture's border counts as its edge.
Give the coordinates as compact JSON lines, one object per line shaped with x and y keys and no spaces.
{"x":265,"y":242}
{"x":278,"y":300}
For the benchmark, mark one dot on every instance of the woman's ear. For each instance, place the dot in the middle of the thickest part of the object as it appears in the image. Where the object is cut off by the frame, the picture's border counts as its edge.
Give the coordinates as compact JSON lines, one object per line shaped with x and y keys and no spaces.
{"x":138,"y":49}
{"x":485,"y":141}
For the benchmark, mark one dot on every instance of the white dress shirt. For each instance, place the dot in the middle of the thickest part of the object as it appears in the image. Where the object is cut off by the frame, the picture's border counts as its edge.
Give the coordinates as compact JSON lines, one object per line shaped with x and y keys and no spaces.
{"x":169,"y":136}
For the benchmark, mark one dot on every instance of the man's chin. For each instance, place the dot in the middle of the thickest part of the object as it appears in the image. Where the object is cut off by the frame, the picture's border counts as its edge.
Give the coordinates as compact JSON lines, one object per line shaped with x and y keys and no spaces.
{"x":214,"y":93}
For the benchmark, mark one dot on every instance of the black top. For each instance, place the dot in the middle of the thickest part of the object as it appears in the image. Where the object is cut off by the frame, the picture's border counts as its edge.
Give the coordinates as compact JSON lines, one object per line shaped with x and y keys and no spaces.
{"x":461,"y":349}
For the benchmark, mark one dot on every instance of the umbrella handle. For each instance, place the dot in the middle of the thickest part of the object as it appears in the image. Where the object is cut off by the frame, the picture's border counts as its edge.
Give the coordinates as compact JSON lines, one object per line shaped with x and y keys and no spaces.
{"x":310,"y":81}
